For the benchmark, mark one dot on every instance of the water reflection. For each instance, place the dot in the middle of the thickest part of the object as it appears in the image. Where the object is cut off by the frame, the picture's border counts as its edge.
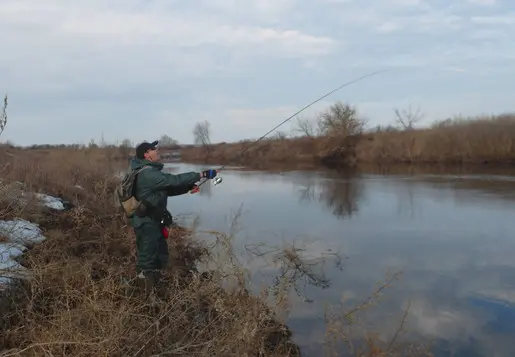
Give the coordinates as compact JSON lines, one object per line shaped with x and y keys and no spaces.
{"x":451,"y":235}
{"x":295,"y":269}
{"x":341,"y":196}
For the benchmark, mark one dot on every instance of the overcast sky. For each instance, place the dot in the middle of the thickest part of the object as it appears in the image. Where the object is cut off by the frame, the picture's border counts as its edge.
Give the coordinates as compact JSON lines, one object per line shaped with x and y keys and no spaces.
{"x":75,"y":70}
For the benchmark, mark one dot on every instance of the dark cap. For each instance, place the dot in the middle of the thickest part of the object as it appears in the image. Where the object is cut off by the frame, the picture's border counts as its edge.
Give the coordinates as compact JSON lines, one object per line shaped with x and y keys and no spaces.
{"x":142,"y":148}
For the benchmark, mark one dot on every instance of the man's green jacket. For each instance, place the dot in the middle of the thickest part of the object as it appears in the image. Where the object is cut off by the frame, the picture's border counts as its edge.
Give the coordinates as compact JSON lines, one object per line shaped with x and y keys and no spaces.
{"x":153,"y":187}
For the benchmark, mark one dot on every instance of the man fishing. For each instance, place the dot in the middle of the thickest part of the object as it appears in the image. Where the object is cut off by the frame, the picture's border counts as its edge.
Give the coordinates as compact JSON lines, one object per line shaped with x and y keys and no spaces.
{"x":152,"y":187}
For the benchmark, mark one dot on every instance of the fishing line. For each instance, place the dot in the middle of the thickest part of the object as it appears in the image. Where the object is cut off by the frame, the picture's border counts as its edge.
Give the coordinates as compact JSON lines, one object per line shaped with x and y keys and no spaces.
{"x":219,"y":180}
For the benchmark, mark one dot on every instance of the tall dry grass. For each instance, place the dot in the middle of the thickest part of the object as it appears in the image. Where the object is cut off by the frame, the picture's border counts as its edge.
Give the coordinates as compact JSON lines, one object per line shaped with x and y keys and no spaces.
{"x":339,"y":138}
{"x":457,"y":141}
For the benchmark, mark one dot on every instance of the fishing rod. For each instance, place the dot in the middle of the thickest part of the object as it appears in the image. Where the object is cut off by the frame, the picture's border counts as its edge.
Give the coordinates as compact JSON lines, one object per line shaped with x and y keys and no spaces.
{"x":219,"y":179}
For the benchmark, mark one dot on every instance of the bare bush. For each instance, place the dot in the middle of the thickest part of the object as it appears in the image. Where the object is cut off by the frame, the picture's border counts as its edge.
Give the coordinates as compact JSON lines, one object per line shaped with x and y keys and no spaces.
{"x":341,"y":120}
{"x":346,"y":328}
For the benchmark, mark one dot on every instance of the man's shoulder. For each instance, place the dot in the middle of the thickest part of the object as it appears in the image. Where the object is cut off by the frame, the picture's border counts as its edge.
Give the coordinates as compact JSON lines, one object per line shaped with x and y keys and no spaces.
{"x":149,"y":173}
{"x":138,"y":164}
{"x":144,"y":167}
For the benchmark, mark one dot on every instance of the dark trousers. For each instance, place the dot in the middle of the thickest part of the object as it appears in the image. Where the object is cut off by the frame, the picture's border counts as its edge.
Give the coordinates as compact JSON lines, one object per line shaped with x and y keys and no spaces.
{"x":152,"y":248}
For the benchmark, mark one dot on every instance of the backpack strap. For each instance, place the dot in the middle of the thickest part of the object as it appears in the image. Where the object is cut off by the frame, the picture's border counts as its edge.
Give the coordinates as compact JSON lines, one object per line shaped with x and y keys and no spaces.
{"x":142,"y":168}
{"x":136,"y":178}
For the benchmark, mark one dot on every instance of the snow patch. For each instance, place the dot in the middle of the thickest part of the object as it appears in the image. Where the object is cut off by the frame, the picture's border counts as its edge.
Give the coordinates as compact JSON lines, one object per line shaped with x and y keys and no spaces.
{"x":11,"y":270}
{"x":50,"y":201}
{"x":19,"y":234}
{"x":21,"y":231}
{"x":10,"y":251}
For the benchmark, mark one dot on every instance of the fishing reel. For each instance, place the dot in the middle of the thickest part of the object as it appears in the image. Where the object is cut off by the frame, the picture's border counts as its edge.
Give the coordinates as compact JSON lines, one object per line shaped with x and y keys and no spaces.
{"x":216,"y":181}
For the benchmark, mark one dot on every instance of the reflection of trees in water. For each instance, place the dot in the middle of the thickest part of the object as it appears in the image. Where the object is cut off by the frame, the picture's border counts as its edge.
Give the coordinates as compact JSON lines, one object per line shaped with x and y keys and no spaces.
{"x":340,"y":194}
{"x":347,"y":332}
{"x":405,"y":194}
{"x":297,"y":269}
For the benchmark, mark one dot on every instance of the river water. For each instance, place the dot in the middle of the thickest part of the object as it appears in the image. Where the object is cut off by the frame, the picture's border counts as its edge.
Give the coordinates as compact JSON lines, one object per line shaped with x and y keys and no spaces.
{"x":452,"y":236}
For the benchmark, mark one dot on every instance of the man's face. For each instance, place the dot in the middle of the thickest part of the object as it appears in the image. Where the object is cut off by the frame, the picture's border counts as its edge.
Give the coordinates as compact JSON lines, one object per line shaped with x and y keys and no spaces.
{"x":152,"y":155}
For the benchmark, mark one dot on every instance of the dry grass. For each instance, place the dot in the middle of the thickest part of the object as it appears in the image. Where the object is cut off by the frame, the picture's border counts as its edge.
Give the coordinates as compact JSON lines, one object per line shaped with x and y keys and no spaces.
{"x":80,"y":302}
{"x":76,"y":303}
{"x":476,"y":140}
{"x":263,"y":154}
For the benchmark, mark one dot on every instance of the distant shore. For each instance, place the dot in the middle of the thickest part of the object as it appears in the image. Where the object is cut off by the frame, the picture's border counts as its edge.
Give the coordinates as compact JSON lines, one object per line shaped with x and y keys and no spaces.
{"x":470,"y":141}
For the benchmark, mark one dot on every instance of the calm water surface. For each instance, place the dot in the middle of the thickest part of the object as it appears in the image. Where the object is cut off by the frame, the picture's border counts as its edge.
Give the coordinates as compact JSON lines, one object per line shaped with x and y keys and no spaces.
{"x":452,"y":236}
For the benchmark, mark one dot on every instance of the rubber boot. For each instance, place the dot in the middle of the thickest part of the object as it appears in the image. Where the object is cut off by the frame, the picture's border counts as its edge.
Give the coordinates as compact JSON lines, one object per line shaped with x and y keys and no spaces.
{"x":147,"y":282}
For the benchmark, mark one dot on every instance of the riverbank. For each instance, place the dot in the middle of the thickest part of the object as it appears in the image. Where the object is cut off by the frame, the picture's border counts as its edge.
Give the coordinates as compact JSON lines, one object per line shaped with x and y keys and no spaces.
{"x":468,"y":141}
{"x":79,"y":301}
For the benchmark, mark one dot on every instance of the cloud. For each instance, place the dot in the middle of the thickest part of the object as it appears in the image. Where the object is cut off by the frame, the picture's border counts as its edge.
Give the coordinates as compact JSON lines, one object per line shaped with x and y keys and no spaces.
{"x":270,"y":11}
{"x":482,"y":2}
{"x":494,"y":20}
{"x":104,"y":66}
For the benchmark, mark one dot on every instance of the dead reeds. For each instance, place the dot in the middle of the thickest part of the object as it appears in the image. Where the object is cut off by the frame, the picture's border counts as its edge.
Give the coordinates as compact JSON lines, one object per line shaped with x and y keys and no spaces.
{"x":339,"y":138}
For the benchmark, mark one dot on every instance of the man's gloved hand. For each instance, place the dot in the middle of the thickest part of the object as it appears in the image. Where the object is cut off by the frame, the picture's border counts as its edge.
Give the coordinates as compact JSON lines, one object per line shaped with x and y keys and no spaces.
{"x":209,"y":174}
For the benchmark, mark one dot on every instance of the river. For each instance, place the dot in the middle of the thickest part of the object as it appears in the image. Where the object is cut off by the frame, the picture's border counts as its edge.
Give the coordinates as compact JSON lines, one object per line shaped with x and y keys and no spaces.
{"x":452,"y":236}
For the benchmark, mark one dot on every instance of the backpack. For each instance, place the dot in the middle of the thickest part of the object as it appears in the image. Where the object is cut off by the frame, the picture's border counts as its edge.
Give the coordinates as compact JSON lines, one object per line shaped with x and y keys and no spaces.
{"x":124,"y":194}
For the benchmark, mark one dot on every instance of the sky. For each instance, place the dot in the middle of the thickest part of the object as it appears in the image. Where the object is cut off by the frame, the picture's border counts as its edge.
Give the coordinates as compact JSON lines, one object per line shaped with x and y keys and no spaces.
{"x":81,"y":70}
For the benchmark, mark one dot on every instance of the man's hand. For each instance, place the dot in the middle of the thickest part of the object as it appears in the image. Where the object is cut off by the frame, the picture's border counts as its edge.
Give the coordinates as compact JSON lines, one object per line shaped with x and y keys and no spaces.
{"x":209,"y":174}
{"x":195,"y":189}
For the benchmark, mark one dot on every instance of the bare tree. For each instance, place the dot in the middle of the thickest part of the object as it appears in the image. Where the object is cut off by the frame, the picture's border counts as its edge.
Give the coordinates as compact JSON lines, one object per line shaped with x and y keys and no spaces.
{"x":408,"y":118}
{"x":202,"y":133}
{"x":125,"y":148}
{"x":126,"y":143}
{"x":278,"y":135}
{"x":92,"y":144}
{"x":166,"y":141}
{"x":3,"y":116}
{"x":306,"y":127}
